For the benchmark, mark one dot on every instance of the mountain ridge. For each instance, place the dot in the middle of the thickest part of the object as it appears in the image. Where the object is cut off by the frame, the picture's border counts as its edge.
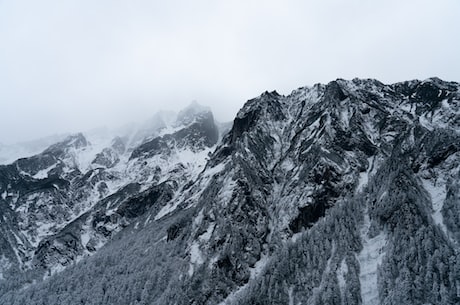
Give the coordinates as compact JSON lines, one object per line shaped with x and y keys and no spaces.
{"x":293,"y":204}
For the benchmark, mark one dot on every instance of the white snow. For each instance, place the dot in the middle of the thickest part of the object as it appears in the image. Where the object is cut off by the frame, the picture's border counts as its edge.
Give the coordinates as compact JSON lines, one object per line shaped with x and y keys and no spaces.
{"x":195,"y":254}
{"x":214,"y":170}
{"x":19,"y":255}
{"x":44,"y":172}
{"x":232,"y":297}
{"x":196,"y":257}
{"x":341,"y":272}
{"x":314,"y":126}
{"x":198,"y":219}
{"x":259,"y":267}
{"x":425,"y":122}
{"x":169,"y":129}
{"x":370,"y":129}
{"x":205,"y":177}
{"x":168,"y":208}
{"x":189,"y":158}
{"x":55,"y":268}
{"x":147,"y":220}
{"x":445,"y":105}
{"x":345,"y":117}
{"x":44,"y":229}
{"x":206,"y":236}
{"x":438,"y":195}
{"x":84,"y":156}
{"x":364,"y":176}
{"x":85,"y":237}
{"x":409,"y":108}
{"x":363,"y":180}
{"x":225,"y":194}
{"x":369,"y":259}
{"x":291,"y":295}
{"x":4,"y":194}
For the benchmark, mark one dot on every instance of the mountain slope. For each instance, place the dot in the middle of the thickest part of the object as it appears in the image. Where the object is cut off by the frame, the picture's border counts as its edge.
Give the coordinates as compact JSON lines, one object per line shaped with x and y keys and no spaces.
{"x":345,"y":193}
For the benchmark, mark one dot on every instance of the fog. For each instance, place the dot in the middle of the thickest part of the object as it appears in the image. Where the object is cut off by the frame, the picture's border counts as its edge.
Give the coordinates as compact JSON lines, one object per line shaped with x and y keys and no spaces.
{"x":68,"y":66}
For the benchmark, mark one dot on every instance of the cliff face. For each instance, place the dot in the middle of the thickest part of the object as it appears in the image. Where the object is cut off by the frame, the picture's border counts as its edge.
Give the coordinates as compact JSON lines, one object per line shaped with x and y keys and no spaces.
{"x":345,"y":193}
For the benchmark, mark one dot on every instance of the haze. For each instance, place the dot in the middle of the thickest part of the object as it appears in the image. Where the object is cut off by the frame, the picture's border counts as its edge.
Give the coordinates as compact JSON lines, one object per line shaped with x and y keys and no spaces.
{"x":68,"y":66}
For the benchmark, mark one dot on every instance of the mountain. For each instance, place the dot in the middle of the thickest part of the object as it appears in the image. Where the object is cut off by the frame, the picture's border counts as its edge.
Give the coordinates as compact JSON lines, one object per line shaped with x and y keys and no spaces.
{"x":344,"y":193}
{"x":67,"y":201}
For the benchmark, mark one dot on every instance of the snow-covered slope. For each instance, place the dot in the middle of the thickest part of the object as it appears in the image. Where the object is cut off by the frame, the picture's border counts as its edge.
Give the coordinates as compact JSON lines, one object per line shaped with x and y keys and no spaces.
{"x":345,"y":193}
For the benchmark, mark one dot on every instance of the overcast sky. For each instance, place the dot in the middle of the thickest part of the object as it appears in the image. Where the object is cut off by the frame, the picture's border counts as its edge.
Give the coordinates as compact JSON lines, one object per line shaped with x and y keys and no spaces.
{"x":71,"y":65}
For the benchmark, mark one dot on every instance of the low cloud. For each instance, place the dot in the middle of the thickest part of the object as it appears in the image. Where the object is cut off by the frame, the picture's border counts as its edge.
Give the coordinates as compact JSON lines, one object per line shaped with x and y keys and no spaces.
{"x":74,"y":65}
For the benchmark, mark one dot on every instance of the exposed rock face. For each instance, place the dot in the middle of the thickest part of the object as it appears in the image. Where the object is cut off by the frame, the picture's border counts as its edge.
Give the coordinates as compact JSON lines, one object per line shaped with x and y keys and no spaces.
{"x":345,"y":193}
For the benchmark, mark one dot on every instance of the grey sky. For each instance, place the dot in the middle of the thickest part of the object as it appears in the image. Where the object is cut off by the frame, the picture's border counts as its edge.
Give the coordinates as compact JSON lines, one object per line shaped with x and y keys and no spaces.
{"x":76,"y":64}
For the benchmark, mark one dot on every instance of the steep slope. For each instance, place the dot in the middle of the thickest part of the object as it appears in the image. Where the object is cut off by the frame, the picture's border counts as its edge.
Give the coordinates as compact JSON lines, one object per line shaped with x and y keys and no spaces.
{"x":345,"y":193}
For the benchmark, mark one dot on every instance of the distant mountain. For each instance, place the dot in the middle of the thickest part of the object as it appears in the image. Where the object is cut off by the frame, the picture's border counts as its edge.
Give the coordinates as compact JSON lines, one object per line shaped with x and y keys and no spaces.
{"x":345,"y":193}
{"x":11,"y":152}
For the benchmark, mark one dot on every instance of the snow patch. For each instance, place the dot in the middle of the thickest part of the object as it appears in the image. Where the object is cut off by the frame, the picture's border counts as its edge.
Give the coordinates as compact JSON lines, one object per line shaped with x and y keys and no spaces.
{"x":291,"y":295}
{"x":42,"y":174}
{"x":168,"y":208}
{"x":425,"y":122}
{"x":198,"y":219}
{"x":226,"y":192}
{"x":206,"y":236}
{"x":85,"y":237}
{"x":83,"y":157}
{"x":169,"y":129}
{"x":147,"y":220}
{"x":438,"y":195}
{"x":364,"y":177}
{"x":341,"y":272}
{"x":196,"y":257}
{"x":259,"y":267}
{"x":345,"y":117}
{"x":369,"y":259}
{"x":195,"y":254}
{"x":409,"y":108}
{"x":214,"y":170}
{"x":56,"y":268}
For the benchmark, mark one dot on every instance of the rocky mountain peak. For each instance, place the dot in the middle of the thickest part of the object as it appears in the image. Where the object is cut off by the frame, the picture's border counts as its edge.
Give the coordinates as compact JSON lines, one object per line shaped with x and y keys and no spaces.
{"x":75,"y":141}
{"x":193,"y":111}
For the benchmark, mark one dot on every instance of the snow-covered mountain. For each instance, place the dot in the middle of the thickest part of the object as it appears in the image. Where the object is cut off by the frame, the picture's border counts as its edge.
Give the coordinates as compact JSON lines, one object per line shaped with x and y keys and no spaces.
{"x":345,"y":193}
{"x":67,"y":201}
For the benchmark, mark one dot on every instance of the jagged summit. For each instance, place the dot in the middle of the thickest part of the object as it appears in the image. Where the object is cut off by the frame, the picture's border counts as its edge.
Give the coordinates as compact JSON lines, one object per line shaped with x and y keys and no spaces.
{"x":76,"y":141}
{"x":191,"y":112}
